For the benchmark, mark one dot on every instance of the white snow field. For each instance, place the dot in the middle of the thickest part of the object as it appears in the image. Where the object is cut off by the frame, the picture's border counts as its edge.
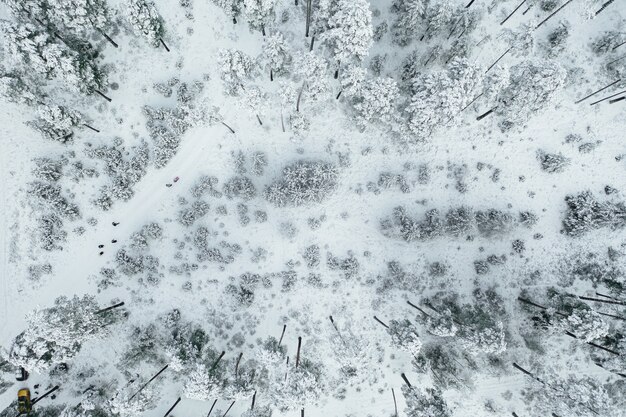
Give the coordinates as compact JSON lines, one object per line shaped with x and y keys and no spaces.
{"x":443,"y":236}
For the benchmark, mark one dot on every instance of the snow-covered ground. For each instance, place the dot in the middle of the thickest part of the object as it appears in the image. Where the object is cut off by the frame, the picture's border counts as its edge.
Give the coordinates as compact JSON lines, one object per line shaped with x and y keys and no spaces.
{"x":345,"y":254}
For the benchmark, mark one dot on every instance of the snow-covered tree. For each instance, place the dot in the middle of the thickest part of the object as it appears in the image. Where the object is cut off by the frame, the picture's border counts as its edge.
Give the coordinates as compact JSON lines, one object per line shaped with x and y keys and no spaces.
{"x":146,"y":20}
{"x":15,"y":89}
{"x":122,"y":405}
{"x":377,"y":101}
{"x":439,"y":96}
{"x":203,"y":384}
{"x":410,"y":20}
{"x":426,"y":403}
{"x":349,"y":33}
{"x":572,"y":395}
{"x":532,"y":85}
{"x":522,"y":40}
{"x":313,"y":69}
{"x":233,"y":8}
{"x":259,"y":13}
{"x":440,"y":15}
{"x":485,"y":340}
{"x":235,"y":69}
{"x":254,"y":100}
{"x":302,"y":387}
{"x":42,"y":53}
{"x":353,"y":80}
{"x":404,"y":336}
{"x":57,"y":122}
{"x":586,"y":324}
{"x":585,"y":213}
{"x":276,"y":53}
{"x":55,"y":335}
{"x":442,"y":325}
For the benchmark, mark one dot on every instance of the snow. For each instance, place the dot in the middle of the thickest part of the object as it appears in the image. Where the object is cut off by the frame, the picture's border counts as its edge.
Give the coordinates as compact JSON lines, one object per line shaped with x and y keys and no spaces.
{"x":274,"y":225}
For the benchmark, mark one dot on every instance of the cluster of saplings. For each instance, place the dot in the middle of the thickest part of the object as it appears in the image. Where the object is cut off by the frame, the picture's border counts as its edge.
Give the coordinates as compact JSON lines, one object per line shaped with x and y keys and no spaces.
{"x":457,"y":222}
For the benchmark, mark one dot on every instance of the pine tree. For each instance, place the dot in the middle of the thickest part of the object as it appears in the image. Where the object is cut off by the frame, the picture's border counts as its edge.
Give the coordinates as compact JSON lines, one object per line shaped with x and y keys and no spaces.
{"x":56,"y":334}
{"x":410,"y":21}
{"x":233,"y":8}
{"x":404,"y":336}
{"x":57,"y":122}
{"x":259,"y":13}
{"x":146,"y":20}
{"x":277,"y":55}
{"x":532,"y":85}
{"x":235,"y":69}
{"x":377,"y":101}
{"x":349,"y":33}
{"x":37,"y":50}
{"x":313,"y":70}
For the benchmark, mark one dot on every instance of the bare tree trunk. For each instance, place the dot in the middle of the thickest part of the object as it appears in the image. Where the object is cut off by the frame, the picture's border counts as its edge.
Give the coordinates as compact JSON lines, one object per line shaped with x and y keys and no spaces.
{"x":553,"y":13}
{"x":338,"y":94}
{"x":108,"y":38}
{"x":172,"y":407}
{"x":101,"y":94}
{"x":36,"y":400}
{"x":604,"y":6}
{"x":218,"y":360}
{"x":282,"y":121}
{"x":418,"y":309}
{"x":597,"y":91}
{"x":253,"y":400}
{"x":298,"y":353}
{"x":164,"y":45}
{"x":378,"y":320}
{"x":469,"y":4}
{"x":259,"y":119}
{"x":237,"y":364}
{"x":229,"y":128}
{"x":600,"y":300}
{"x":512,"y":13}
{"x":312,"y":42}
{"x":406,"y":380}
{"x":231,"y":406}
{"x":498,"y":60}
{"x":618,"y":45}
{"x":308,"y":17}
{"x":282,"y":334}
{"x":92,"y":128}
{"x":473,"y":100}
{"x":395,"y":404}
{"x":149,"y":381}
{"x":302,"y":412}
{"x":263,"y":30}
{"x":271,"y":75}
{"x":110,"y":307}
{"x":487,"y":113}
{"x":214,"y":402}
{"x":299,"y":96}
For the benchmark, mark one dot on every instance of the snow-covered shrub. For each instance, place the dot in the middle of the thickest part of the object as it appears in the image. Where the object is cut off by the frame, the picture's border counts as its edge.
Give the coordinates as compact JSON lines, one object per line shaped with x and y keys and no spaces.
{"x":349,"y":265}
{"x":188,"y":216}
{"x":235,"y":69}
{"x":205,"y":185}
{"x":41,"y":52}
{"x":50,"y":232}
{"x":16,"y":88}
{"x":349,"y":32}
{"x":303,"y":182}
{"x":427,"y":403}
{"x":146,"y":20}
{"x":459,"y":221}
{"x":552,"y":162}
{"x":239,"y":187}
{"x":302,"y":387}
{"x":259,"y":162}
{"x":128,"y":264}
{"x":122,"y":406}
{"x":493,"y":222}
{"x":312,"y":256}
{"x":47,"y":169}
{"x":585,"y":213}
{"x":404,"y":336}
{"x":438,"y":97}
{"x":443,"y":361}
{"x":442,"y":324}
{"x":485,"y":340}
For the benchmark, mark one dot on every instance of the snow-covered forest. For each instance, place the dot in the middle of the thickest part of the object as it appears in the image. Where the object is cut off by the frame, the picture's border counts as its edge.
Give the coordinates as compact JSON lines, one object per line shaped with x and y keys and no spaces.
{"x":345,"y":208}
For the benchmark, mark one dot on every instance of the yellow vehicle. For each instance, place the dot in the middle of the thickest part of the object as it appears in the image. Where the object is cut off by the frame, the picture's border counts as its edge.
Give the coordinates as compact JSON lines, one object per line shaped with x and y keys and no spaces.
{"x":24,"y":405}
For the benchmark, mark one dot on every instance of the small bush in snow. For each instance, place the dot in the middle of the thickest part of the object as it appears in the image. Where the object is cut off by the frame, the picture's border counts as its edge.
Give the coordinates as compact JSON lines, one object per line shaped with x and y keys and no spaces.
{"x":552,"y":162}
{"x":585,"y":213}
{"x":239,"y":187}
